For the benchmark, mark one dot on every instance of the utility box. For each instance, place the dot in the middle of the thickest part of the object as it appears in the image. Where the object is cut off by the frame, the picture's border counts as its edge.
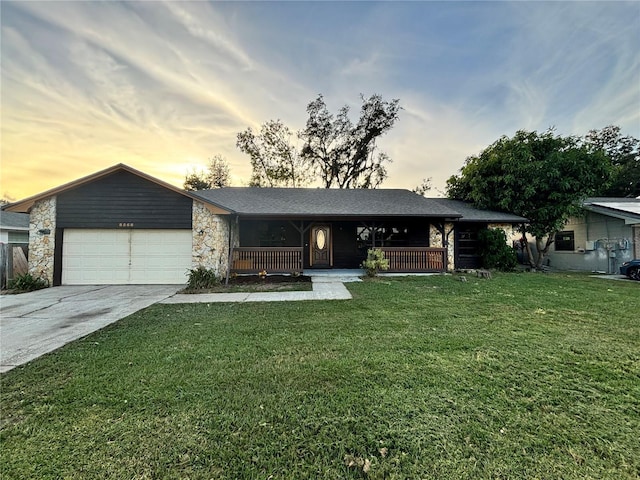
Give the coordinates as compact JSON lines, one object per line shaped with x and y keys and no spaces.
{"x":589,"y":245}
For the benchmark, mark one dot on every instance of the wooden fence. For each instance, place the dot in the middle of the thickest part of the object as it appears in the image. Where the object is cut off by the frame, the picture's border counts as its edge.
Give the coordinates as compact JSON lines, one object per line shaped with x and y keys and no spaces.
{"x":13,"y":261}
{"x":415,"y":259}
{"x":269,"y":259}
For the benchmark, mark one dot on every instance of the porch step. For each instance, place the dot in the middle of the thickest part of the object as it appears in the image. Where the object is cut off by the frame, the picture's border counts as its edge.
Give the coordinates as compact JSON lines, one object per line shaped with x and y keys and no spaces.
{"x":333,"y":276}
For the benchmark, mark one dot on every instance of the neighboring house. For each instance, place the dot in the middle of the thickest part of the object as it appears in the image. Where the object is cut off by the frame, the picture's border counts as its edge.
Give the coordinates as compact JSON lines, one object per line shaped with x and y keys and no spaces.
{"x":123,"y":226}
{"x":600,"y":240}
{"x":14,"y":227}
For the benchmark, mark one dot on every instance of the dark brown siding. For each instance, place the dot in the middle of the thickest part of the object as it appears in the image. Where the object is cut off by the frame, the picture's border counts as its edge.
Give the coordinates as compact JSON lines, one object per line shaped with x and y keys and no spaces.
{"x":345,"y":246}
{"x":466,"y":246}
{"x":123,"y":198}
{"x":57,"y":258}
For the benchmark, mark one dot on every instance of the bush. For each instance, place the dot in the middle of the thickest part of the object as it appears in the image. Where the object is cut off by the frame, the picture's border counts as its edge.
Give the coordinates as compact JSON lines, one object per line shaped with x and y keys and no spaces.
{"x":494,"y":251}
{"x":27,"y":283}
{"x":375,"y":262}
{"x":201,"y":278}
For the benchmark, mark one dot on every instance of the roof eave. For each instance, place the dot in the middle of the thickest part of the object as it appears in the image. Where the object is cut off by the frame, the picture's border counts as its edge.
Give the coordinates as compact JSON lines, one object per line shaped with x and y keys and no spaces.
{"x":13,"y":229}
{"x":346,"y":215}
{"x":629,"y":218}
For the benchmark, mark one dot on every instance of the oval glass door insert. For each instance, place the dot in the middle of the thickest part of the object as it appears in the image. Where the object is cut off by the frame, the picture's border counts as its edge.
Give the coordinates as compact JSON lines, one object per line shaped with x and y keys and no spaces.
{"x":320,"y":239}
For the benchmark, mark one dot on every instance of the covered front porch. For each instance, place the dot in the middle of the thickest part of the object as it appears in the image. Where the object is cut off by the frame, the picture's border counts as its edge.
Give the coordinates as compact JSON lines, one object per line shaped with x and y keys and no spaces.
{"x":301,"y":245}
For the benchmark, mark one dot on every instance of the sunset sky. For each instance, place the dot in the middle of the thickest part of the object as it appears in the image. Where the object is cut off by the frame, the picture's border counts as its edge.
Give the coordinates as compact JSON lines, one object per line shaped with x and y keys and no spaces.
{"x":163,"y":86}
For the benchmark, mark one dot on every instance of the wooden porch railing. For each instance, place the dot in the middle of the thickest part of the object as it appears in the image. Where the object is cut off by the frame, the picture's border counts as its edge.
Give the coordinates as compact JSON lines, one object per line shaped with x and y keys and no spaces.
{"x":271,"y":259}
{"x":415,"y":259}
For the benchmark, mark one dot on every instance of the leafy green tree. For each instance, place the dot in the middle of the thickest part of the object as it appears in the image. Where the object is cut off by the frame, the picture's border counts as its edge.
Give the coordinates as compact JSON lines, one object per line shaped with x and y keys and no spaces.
{"x":542,"y":177}
{"x":217,"y":175}
{"x":345,"y":154}
{"x":624,"y":153}
{"x":275,"y":161}
{"x":424,"y":187}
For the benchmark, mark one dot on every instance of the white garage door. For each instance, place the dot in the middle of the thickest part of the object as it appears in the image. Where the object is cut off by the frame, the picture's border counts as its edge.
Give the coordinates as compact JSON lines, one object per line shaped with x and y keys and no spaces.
{"x":103,"y":257}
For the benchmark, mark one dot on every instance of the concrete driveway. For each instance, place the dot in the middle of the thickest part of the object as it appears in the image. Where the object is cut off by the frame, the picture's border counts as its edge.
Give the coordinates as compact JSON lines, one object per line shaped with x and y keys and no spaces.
{"x":32,"y":324}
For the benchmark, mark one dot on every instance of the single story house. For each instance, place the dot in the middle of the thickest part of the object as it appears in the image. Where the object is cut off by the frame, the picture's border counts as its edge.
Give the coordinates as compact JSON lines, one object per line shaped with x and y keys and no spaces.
{"x":14,"y":227}
{"x":605,"y":236}
{"x":122,"y":226}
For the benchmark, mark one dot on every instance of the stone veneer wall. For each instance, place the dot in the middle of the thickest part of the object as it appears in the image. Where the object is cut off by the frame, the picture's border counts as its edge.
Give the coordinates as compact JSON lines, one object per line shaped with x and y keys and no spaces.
{"x":436,"y":241}
{"x":210,"y":246}
{"x":510,"y":231}
{"x":42,"y":246}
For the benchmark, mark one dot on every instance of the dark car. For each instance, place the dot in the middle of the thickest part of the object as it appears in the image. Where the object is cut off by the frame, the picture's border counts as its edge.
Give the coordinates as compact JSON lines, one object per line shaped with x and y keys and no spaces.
{"x":631,"y":269}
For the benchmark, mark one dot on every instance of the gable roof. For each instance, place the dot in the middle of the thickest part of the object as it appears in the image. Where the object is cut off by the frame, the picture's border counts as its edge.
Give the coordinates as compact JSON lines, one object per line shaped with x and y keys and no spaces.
{"x":14,"y":221}
{"x":472,"y":214}
{"x":26,"y":204}
{"x":299,"y":202}
{"x":627,"y":209}
{"x":310,"y":202}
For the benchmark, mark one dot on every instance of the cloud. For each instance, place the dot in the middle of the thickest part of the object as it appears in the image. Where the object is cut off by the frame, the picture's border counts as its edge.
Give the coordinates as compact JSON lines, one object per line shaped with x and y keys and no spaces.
{"x":212,"y":37}
{"x":163,"y":86}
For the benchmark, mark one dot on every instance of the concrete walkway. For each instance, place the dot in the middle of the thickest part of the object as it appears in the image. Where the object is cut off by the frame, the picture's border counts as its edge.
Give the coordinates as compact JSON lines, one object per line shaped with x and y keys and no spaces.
{"x":324,"y":288}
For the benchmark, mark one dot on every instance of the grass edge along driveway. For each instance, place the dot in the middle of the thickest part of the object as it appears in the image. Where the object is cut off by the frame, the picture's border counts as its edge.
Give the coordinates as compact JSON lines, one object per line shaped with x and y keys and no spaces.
{"x":522,"y":376}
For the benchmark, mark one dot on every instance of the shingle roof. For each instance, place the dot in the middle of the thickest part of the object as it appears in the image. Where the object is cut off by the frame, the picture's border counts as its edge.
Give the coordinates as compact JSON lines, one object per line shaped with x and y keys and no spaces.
{"x":12,"y":220}
{"x":472,"y":214}
{"x":326,"y":202}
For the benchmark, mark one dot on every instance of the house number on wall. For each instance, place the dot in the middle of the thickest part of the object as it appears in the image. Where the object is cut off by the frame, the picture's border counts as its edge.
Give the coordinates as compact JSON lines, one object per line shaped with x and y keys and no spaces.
{"x":125,"y":225}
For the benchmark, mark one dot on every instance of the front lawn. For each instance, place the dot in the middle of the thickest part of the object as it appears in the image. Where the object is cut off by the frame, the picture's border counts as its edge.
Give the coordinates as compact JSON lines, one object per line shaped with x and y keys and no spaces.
{"x":522,"y":376}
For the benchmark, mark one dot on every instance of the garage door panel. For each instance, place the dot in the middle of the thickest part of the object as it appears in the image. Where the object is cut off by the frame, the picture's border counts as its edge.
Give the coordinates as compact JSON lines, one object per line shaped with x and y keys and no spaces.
{"x":125,"y":256}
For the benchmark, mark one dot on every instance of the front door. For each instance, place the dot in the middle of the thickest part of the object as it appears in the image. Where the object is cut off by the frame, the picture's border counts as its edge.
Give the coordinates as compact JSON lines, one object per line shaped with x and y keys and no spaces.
{"x":320,"y":254}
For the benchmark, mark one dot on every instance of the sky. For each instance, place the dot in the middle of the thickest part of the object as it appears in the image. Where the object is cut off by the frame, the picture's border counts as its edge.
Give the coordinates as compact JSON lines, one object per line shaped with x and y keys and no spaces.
{"x":165,"y":86}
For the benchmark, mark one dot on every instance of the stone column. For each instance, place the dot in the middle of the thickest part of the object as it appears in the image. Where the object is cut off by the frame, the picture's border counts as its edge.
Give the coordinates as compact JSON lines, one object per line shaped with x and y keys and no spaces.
{"x":437,"y":239}
{"x":42,"y":234}
{"x":210,"y":233}
{"x":451,"y":238}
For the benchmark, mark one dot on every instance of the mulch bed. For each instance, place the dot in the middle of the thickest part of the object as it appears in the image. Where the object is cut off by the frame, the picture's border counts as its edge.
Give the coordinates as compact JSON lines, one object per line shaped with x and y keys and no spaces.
{"x":257,"y":280}
{"x":255,"y":283}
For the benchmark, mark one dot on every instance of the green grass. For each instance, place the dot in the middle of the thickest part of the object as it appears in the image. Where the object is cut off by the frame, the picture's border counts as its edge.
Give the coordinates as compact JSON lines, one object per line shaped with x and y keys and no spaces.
{"x":522,"y":376}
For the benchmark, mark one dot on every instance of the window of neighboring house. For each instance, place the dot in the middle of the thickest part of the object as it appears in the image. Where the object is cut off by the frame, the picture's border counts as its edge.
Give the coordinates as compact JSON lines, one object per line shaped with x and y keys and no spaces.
{"x":565,"y":242}
{"x":18,"y":237}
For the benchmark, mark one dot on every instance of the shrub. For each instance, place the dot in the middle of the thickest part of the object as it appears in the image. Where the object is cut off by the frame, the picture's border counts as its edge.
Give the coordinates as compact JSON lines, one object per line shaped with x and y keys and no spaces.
{"x":201,"y":278}
{"x":494,"y":251}
{"x":27,"y":283}
{"x":375,"y":262}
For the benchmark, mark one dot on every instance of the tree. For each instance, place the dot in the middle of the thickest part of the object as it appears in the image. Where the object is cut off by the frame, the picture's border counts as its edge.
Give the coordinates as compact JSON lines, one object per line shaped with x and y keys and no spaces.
{"x":217,"y":175}
{"x":424,"y":187}
{"x":624,"y":153}
{"x":343,"y":153}
{"x":196,"y":180}
{"x":275,"y":161}
{"x":542,"y":177}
